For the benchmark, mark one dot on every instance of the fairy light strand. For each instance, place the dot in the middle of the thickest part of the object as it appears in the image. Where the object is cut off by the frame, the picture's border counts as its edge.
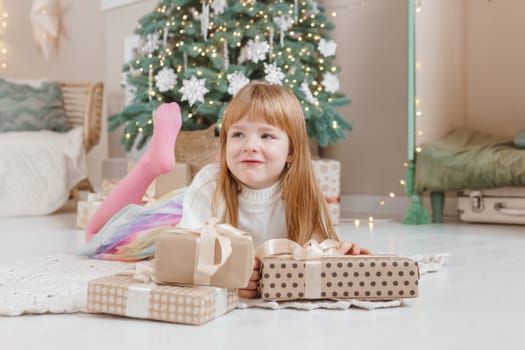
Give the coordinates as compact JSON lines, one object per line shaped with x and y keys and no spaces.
{"x":3,"y":42}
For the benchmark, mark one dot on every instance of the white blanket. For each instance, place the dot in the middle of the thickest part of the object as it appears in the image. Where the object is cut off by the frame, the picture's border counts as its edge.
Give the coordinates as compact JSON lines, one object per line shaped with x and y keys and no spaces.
{"x":38,"y":169}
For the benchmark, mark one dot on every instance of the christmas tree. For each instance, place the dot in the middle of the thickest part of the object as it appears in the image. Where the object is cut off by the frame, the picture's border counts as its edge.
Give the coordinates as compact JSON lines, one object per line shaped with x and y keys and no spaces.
{"x":199,"y":53}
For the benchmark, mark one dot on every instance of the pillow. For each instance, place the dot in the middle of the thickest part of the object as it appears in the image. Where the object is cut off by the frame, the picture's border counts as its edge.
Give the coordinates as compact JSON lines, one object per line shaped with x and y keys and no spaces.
{"x":519,"y":140}
{"x":26,"y":107}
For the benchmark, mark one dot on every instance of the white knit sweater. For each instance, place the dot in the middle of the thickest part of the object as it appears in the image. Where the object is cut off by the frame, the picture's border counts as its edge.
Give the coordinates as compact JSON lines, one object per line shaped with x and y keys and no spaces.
{"x":261,"y":212}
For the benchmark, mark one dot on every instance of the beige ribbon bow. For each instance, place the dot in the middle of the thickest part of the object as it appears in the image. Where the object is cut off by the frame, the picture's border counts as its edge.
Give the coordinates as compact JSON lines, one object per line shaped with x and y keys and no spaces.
{"x":211,"y":234}
{"x":311,"y":253}
{"x":311,"y":250}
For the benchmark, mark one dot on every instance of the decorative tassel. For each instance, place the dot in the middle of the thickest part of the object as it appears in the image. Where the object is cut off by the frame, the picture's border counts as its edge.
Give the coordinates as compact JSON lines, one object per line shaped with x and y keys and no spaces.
{"x":226,"y":55}
{"x":205,"y":20}
{"x":416,"y":213}
{"x":150,"y":83}
{"x":165,"y":37}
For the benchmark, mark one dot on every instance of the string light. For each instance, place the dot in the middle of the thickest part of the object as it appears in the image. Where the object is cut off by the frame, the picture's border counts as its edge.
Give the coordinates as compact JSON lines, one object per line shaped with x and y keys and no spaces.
{"x":3,"y":43}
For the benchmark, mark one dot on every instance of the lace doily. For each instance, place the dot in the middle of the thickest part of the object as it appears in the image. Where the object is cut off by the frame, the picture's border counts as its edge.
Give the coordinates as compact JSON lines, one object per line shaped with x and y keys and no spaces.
{"x":58,"y":284}
{"x":52,"y":284}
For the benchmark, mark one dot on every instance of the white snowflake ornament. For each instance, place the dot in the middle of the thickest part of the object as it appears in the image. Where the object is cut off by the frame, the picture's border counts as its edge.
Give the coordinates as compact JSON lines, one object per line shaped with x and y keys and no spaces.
{"x":274,"y":74}
{"x":308,"y":93}
{"x":330,"y":82}
{"x":284,"y":22}
{"x":218,"y":6}
{"x":256,"y":50}
{"x":150,"y":44}
{"x":193,"y":90}
{"x":165,"y":79}
{"x":237,"y":80}
{"x":327,"y":47}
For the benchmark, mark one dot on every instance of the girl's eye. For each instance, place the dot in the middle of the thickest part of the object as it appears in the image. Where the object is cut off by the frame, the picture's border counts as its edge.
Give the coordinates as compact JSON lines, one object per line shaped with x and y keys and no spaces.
{"x":236,"y":134}
{"x":267,"y":136}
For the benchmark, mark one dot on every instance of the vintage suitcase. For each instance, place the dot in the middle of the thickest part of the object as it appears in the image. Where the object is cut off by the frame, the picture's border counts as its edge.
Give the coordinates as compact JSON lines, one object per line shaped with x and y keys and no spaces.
{"x":504,"y":205}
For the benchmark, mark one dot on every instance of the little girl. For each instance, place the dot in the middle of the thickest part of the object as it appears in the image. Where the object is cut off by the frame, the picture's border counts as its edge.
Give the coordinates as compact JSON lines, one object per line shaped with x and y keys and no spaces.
{"x":263,"y":183}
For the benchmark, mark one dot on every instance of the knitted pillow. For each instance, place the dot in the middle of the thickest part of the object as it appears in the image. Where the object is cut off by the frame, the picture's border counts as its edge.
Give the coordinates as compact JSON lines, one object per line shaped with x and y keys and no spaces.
{"x":28,"y":107}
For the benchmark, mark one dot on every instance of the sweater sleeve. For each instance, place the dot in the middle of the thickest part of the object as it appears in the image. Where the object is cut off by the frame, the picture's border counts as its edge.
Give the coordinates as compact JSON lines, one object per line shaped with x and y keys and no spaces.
{"x":196,"y":207}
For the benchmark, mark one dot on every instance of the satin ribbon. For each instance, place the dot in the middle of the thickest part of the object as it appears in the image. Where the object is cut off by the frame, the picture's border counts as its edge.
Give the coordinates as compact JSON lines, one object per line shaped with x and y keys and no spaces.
{"x":311,"y":253}
{"x":139,"y":295}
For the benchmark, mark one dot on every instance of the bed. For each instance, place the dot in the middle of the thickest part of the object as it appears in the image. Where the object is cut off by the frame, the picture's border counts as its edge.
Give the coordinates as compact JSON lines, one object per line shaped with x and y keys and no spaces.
{"x":467,"y":159}
{"x":41,"y":169}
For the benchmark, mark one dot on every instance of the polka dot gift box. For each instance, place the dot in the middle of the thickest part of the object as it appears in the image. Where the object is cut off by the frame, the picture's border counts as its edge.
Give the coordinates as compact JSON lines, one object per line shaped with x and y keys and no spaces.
{"x":328,"y":175}
{"x":313,"y":272}
{"x":121,"y":295}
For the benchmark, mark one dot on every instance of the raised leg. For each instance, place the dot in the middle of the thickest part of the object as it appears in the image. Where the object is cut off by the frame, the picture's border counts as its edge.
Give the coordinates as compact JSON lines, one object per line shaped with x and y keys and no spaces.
{"x":158,"y":159}
{"x":437,"y":199}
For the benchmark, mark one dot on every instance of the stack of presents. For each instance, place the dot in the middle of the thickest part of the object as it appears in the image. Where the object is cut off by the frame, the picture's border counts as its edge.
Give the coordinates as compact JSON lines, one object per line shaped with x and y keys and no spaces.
{"x":195,"y":274}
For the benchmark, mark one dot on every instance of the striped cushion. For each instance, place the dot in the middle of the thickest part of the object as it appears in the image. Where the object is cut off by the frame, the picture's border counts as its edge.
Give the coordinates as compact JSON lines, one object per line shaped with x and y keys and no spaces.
{"x":25,"y":107}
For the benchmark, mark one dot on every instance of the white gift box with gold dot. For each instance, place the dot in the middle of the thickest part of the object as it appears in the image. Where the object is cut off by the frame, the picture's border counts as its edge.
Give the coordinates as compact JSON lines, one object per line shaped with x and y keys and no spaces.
{"x":328,"y":174}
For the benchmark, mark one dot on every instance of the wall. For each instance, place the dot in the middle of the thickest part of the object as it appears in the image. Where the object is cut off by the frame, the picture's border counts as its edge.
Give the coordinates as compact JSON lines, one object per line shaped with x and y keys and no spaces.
{"x":119,"y":23}
{"x":80,"y":55}
{"x":372,"y":54}
{"x":441,"y":76}
{"x":471,"y":66}
{"x":496,"y":78}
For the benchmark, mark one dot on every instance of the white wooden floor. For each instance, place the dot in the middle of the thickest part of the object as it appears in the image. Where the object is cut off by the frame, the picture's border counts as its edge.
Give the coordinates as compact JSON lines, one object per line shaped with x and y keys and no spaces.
{"x":475,"y":302}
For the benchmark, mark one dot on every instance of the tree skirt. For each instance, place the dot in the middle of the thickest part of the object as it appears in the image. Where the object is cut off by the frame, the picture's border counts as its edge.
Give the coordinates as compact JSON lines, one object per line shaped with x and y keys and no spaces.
{"x":58,"y":284}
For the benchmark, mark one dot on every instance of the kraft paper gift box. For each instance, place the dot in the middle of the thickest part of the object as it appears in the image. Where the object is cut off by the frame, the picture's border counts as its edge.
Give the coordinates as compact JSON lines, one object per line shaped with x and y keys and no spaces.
{"x":328,"y":175}
{"x":122,"y":295}
{"x":87,"y":208}
{"x":217,"y":255}
{"x":334,"y":276}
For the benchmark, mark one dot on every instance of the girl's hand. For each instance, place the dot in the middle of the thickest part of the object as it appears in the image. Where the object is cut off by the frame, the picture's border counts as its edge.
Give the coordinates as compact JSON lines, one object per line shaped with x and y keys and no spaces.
{"x":251,"y":291}
{"x":350,"y":248}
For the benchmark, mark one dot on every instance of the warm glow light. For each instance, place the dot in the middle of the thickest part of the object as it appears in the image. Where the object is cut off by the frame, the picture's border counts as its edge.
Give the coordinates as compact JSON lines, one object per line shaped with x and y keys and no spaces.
{"x":3,"y":44}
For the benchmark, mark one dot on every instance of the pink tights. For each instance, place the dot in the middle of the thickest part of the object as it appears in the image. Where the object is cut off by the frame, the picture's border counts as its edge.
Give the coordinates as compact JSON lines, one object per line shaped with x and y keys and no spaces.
{"x":158,"y":159}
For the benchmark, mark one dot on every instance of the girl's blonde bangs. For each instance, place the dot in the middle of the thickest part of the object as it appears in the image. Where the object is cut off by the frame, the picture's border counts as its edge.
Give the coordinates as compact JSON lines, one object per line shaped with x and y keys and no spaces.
{"x":265,"y":103}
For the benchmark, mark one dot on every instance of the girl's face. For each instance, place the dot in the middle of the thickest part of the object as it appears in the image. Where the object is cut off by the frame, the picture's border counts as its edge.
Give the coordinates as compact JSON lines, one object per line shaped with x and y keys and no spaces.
{"x":256,"y":153}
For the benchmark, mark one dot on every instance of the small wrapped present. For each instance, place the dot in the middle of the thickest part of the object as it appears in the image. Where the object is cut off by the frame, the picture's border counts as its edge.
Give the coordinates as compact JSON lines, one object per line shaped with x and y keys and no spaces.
{"x":86,"y":209}
{"x":328,"y":175}
{"x":177,"y":178}
{"x":218,"y":255}
{"x":122,"y":295}
{"x":319,"y":271}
